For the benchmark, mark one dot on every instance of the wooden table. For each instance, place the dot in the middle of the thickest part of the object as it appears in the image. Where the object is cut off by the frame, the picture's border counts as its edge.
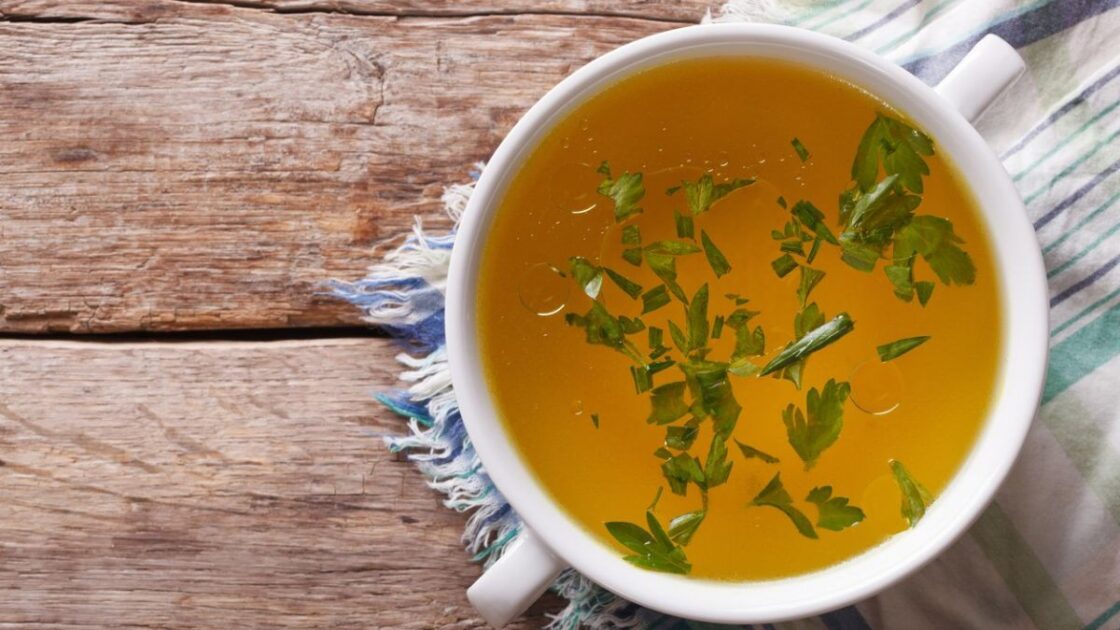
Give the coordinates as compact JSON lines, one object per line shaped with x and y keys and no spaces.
{"x":187,"y":436}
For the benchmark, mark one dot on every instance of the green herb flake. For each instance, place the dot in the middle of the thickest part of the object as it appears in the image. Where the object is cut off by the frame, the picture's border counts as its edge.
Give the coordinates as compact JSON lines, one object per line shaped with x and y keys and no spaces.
{"x":812,"y":341}
{"x":810,"y":437}
{"x":736,"y":298}
{"x":783,"y":265}
{"x":775,"y":495}
{"x":717,"y":327}
{"x":811,"y":217}
{"x":643,"y":380}
{"x":686,"y":228}
{"x":782,"y":202}
{"x":749,"y":343}
{"x":628,"y":286}
{"x":633,"y":255}
{"x":752,"y":452}
{"x":655,"y":298}
{"x":626,"y":191}
{"x":704,"y":192}
{"x":716,"y":258}
{"x":589,"y":276}
{"x":895,"y":349}
{"x":683,"y":527}
{"x":656,"y":338}
{"x":698,"y":319}
{"x":813,"y":251}
{"x":933,"y":238}
{"x":600,"y":327}
{"x":739,"y":317}
{"x":833,"y":513}
{"x":652,"y":549}
{"x":810,"y":278}
{"x":595,"y":420}
{"x":742,"y":367}
{"x":915,"y":497}
{"x":717,"y":469}
{"x":924,"y":289}
{"x":631,"y":235}
{"x":707,"y":380}
{"x":802,"y":152}
{"x":681,"y":469}
{"x":681,"y":438}
{"x":630,"y":325}
{"x":679,"y":340}
{"x":667,"y":403}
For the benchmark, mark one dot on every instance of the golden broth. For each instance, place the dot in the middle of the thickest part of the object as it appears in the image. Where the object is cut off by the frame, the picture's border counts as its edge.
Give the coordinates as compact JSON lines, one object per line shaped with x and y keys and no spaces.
{"x":732,"y":118}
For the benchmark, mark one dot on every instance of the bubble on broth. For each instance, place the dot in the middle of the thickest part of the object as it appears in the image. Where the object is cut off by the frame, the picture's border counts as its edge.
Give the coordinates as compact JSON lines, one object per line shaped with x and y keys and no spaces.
{"x":577,"y":407}
{"x":543,"y":290}
{"x":877,"y":387}
{"x":572,"y":187}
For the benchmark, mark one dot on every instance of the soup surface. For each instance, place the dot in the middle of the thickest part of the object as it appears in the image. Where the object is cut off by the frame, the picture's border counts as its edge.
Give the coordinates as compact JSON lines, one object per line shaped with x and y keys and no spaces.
{"x":793,"y":419}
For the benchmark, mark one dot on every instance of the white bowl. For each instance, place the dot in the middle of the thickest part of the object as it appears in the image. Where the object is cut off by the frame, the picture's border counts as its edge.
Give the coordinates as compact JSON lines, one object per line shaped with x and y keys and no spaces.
{"x":556,"y":541}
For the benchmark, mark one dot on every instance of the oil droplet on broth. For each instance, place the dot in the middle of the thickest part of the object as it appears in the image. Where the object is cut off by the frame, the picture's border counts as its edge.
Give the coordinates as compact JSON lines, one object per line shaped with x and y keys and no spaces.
{"x":572,"y":187}
{"x":543,"y":290}
{"x":877,"y":387}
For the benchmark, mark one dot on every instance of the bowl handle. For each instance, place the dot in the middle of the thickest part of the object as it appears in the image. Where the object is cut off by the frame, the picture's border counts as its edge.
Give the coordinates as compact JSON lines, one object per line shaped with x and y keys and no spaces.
{"x":516,"y":580}
{"x":986,"y":71}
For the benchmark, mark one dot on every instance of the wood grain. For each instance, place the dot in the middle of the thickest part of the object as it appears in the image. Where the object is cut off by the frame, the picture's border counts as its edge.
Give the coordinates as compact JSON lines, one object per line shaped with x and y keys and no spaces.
{"x":216,"y":485}
{"x":171,"y":165}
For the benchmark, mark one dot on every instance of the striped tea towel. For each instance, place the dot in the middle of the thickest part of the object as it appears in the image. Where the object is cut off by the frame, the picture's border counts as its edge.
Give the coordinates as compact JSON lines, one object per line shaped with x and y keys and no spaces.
{"x":1046,"y":554}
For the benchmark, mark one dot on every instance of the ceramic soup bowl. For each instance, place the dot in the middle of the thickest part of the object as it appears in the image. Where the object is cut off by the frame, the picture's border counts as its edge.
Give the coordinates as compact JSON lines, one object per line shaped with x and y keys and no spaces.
{"x":553,"y":541}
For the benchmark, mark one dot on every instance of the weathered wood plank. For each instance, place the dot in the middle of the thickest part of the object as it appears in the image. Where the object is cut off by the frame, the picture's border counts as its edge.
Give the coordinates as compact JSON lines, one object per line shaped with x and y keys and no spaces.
{"x":216,"y":485}
{"x":683,"y":11}
{"x":172,"y":165}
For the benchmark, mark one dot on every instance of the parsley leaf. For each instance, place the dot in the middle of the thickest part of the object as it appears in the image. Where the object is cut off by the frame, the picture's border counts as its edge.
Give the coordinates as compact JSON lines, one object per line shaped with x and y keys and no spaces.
{"x":710,"y":388}
{"x":704,"y":192}
{"x":681,"y":438}
{"x":915,"y":497}
{"x":667,"y":403}
{"x":895,"y":145}
{"x":679,"y":470}
{"x":717,"y":326}
{"x":716,"y":258}
{"x":682,"y":528}
{"x":589,"y":276}
{"x":717,"y":469}
{"x":802,"y":152}
{"x":631,"y":288}
{"x":599,"y":325}
{"x":654,"y":299}
{"x":895,"y":349}
{"x":631,"y":235}
{"x":739,"y":317}
{"x":833,"y":512}
{"x":626,"y":191}
{"x":750,"y":451}
{"x":698,"y":319}
{"x":810,"y":278}
{"x":775,"y":495}
{"x":748,"y":343}
{"x":650,"y":550}
{"x":933,"y":238}
{"x":825,"y":420}
{"x":685,"y":226}
{"x":812,"y":341}
{"x":811,"y":217}
{"x":783,"y":265}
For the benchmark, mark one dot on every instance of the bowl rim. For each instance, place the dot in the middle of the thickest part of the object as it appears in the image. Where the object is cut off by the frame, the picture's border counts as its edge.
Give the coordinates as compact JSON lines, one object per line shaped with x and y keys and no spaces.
{"x":1018,"y":261}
